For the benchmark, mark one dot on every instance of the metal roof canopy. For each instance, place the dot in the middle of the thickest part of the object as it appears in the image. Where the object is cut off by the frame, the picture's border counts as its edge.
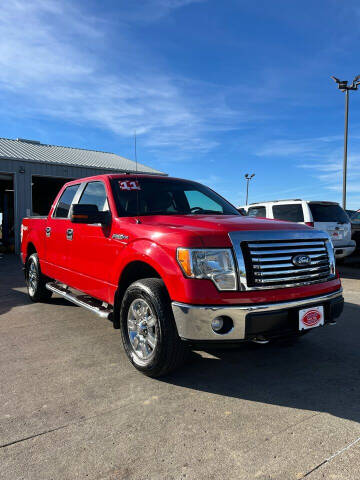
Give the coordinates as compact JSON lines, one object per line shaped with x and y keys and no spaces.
{"x":34,"y":151}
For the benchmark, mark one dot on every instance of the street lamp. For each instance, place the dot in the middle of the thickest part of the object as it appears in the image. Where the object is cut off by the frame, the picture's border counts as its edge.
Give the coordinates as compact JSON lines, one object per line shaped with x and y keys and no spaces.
{"x":248,"y":178}
{"x":344,"y":87}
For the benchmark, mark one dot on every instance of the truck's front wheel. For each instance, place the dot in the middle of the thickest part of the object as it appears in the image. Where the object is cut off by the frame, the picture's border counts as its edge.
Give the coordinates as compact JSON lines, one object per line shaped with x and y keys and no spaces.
{"x":148,"y":329}
{"x":35,"y":280}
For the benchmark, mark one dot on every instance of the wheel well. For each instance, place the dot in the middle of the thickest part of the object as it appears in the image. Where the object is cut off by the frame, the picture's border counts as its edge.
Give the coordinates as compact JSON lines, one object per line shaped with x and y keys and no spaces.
{"x":135,"y":271}
{"x":30,"y":250}
{"x":132,"y":272}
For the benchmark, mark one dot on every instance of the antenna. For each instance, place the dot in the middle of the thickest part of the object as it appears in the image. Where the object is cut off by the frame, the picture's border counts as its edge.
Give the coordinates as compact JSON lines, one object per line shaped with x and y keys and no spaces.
{"x":137,"y":191}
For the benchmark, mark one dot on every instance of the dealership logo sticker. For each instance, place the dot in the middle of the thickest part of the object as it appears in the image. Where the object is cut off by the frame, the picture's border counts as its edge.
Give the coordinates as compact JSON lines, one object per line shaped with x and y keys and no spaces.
{"x":129,"y":185}
{"x":311,"y":318}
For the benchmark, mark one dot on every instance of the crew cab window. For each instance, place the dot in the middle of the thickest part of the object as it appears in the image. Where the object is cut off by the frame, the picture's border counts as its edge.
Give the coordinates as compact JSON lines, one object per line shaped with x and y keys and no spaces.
{"x":257,"y":212}
{"x":65,"y":201}
{"x":95,"y":194}
{"x":292,"y":212}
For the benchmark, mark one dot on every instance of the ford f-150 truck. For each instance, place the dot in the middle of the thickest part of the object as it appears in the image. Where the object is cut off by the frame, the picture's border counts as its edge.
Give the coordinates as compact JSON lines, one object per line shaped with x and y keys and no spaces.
{"x":173,"y":265}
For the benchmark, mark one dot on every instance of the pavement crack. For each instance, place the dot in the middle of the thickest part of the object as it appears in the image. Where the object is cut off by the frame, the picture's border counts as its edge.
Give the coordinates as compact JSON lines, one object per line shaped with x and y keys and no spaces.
{"x":32,"y":436}
{"x":288,"y":427}
{"x":327,"y":460}
{"x":76,"y":422}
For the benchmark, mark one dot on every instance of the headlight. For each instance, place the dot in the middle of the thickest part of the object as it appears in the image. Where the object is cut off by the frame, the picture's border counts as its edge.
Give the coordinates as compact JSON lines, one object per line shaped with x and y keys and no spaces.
{"x":215,"y":264}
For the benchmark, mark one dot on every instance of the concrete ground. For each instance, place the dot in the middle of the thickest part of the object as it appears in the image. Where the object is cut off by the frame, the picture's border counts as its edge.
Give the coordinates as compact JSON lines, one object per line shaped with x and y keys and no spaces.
{"x":72,"y":407}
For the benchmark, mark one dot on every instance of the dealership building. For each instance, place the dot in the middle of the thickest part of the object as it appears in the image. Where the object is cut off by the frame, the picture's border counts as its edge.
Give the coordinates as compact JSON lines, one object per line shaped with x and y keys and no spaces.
{"x":32,"y":173}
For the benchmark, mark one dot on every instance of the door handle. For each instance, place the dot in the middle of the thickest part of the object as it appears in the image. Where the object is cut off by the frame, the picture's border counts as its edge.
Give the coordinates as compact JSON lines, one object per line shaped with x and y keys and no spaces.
{"x":69,"y":234}
{"x":48,"y":231}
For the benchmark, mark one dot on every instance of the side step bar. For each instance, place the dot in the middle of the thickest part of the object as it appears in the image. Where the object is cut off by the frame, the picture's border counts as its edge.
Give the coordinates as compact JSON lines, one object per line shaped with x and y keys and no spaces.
{"x":81,"y":299}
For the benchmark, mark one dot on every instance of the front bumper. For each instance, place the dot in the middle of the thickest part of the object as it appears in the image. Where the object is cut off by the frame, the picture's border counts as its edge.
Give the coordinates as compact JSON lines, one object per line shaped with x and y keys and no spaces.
{"x":250,"y":321}
{"x":346,"y":250}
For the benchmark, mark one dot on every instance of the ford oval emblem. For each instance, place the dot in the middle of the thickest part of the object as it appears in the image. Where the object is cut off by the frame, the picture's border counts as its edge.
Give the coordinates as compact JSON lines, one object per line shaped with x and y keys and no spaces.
{"x":301,"y":260}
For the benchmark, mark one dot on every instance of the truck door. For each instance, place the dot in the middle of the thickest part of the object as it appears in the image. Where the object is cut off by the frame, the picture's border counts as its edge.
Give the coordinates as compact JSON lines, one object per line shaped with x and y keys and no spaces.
{"x":57,"y":231}
{"x":91,"y":246}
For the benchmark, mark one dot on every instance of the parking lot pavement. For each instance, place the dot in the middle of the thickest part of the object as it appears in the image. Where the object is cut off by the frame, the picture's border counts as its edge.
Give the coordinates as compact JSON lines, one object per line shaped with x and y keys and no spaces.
{"x":72,"y":407}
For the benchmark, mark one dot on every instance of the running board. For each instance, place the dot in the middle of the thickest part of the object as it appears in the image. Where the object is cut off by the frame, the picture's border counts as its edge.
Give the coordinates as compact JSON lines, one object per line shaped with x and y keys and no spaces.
{"x":82,"y":300}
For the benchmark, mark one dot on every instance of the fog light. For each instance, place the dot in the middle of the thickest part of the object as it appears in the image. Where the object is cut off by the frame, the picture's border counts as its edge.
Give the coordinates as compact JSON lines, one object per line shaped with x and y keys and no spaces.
{"x":217,"y":324}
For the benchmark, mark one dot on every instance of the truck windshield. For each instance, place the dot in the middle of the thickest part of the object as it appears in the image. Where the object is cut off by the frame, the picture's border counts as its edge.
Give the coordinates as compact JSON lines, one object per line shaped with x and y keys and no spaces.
{"x":147,"y":196}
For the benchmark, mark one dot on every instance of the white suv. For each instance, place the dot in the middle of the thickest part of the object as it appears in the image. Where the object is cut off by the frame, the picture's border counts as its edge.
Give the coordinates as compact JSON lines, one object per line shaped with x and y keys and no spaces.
{"x":326,"y":216}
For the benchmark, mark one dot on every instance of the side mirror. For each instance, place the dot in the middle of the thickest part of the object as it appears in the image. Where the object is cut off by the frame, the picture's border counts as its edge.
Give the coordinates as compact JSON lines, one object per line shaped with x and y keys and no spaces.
{"x":86,"y":213}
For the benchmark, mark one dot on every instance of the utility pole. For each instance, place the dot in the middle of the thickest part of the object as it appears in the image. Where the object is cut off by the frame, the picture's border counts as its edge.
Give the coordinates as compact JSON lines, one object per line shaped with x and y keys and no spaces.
{"x":248,"y":178}
{"x":344,"y":87}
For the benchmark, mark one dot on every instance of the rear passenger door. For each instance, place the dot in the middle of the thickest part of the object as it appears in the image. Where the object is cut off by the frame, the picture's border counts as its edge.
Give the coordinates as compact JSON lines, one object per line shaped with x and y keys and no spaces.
{"x":91,"y":249}
{"x":56,"y":244}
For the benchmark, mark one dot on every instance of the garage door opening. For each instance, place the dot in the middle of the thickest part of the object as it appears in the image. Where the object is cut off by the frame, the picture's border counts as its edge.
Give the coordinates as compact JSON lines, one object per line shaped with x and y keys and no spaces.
{"x":44,"y":191}
{"x":7,"y":237}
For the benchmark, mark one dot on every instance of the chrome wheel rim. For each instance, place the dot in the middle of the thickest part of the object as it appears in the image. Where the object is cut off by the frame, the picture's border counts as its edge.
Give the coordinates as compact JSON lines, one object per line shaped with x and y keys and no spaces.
{"x":143,"y":330}
{"x":32,"y":278}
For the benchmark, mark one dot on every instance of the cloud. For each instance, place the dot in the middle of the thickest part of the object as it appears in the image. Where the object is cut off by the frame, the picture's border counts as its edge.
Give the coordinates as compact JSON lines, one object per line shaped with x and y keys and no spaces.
{"x":53,"y":67}
{"x":322,"y":158}
{"x":309,"y":147}
{"x":146,"y":11}
{"x":170,"y":4}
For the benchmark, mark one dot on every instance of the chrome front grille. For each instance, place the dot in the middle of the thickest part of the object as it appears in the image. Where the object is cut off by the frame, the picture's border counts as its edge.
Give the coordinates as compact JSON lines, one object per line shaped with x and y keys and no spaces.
{"x":267,"y":259}
{"x":271,"y":263}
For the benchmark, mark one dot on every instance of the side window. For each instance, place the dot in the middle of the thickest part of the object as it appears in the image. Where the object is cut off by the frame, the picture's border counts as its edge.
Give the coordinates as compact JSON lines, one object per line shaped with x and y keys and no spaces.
{"x":292,"y":212}
{"x":64,"y":203}
{"x":95,"y":194}
{"x":257,"y":212}
{"x":198,"y":200}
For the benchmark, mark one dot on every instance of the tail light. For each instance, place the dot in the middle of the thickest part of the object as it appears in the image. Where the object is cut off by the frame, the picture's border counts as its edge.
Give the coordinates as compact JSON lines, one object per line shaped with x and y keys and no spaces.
{"x":309,"y":224}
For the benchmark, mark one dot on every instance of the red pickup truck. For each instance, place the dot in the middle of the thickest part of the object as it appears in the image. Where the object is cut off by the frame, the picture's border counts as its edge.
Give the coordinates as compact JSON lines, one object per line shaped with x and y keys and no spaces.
{"x":174,"y":266}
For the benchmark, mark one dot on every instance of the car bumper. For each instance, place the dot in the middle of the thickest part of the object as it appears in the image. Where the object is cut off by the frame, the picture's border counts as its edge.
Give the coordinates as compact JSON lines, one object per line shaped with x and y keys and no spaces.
{"x":344,"y":251}
{"x":250,"y":321}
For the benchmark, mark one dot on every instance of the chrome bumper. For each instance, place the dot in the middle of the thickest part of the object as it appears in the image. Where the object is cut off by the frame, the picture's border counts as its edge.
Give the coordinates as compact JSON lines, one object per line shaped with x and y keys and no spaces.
{"x":194,"y":321}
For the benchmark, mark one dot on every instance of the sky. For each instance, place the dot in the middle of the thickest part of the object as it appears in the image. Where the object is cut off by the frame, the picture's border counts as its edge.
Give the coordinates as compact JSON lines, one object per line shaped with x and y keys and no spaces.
{"x":214,"y":89}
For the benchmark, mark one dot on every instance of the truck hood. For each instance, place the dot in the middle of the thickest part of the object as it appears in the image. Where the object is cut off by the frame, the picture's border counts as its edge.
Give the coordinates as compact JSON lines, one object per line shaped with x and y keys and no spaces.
{"x":214,"y":229}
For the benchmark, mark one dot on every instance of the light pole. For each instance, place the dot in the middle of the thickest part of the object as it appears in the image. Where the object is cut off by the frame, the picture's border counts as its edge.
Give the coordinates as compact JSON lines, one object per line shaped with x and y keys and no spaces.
{"x":344,"y":87}
{"x":248,"y":178}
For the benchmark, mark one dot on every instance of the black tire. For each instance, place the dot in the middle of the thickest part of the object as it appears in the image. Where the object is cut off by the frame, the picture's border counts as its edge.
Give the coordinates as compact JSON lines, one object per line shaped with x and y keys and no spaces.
{"x":170,"y":351}
{"x":35,"y":280}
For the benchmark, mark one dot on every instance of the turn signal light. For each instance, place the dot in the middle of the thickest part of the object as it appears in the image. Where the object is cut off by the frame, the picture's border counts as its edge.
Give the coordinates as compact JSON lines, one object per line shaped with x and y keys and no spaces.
{"x":183,"y":256}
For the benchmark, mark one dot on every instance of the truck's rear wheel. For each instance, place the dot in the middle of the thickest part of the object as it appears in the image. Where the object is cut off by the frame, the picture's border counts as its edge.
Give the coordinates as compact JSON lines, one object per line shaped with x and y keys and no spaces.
{"x":148,"y":329}
{"x":35,"y":280}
